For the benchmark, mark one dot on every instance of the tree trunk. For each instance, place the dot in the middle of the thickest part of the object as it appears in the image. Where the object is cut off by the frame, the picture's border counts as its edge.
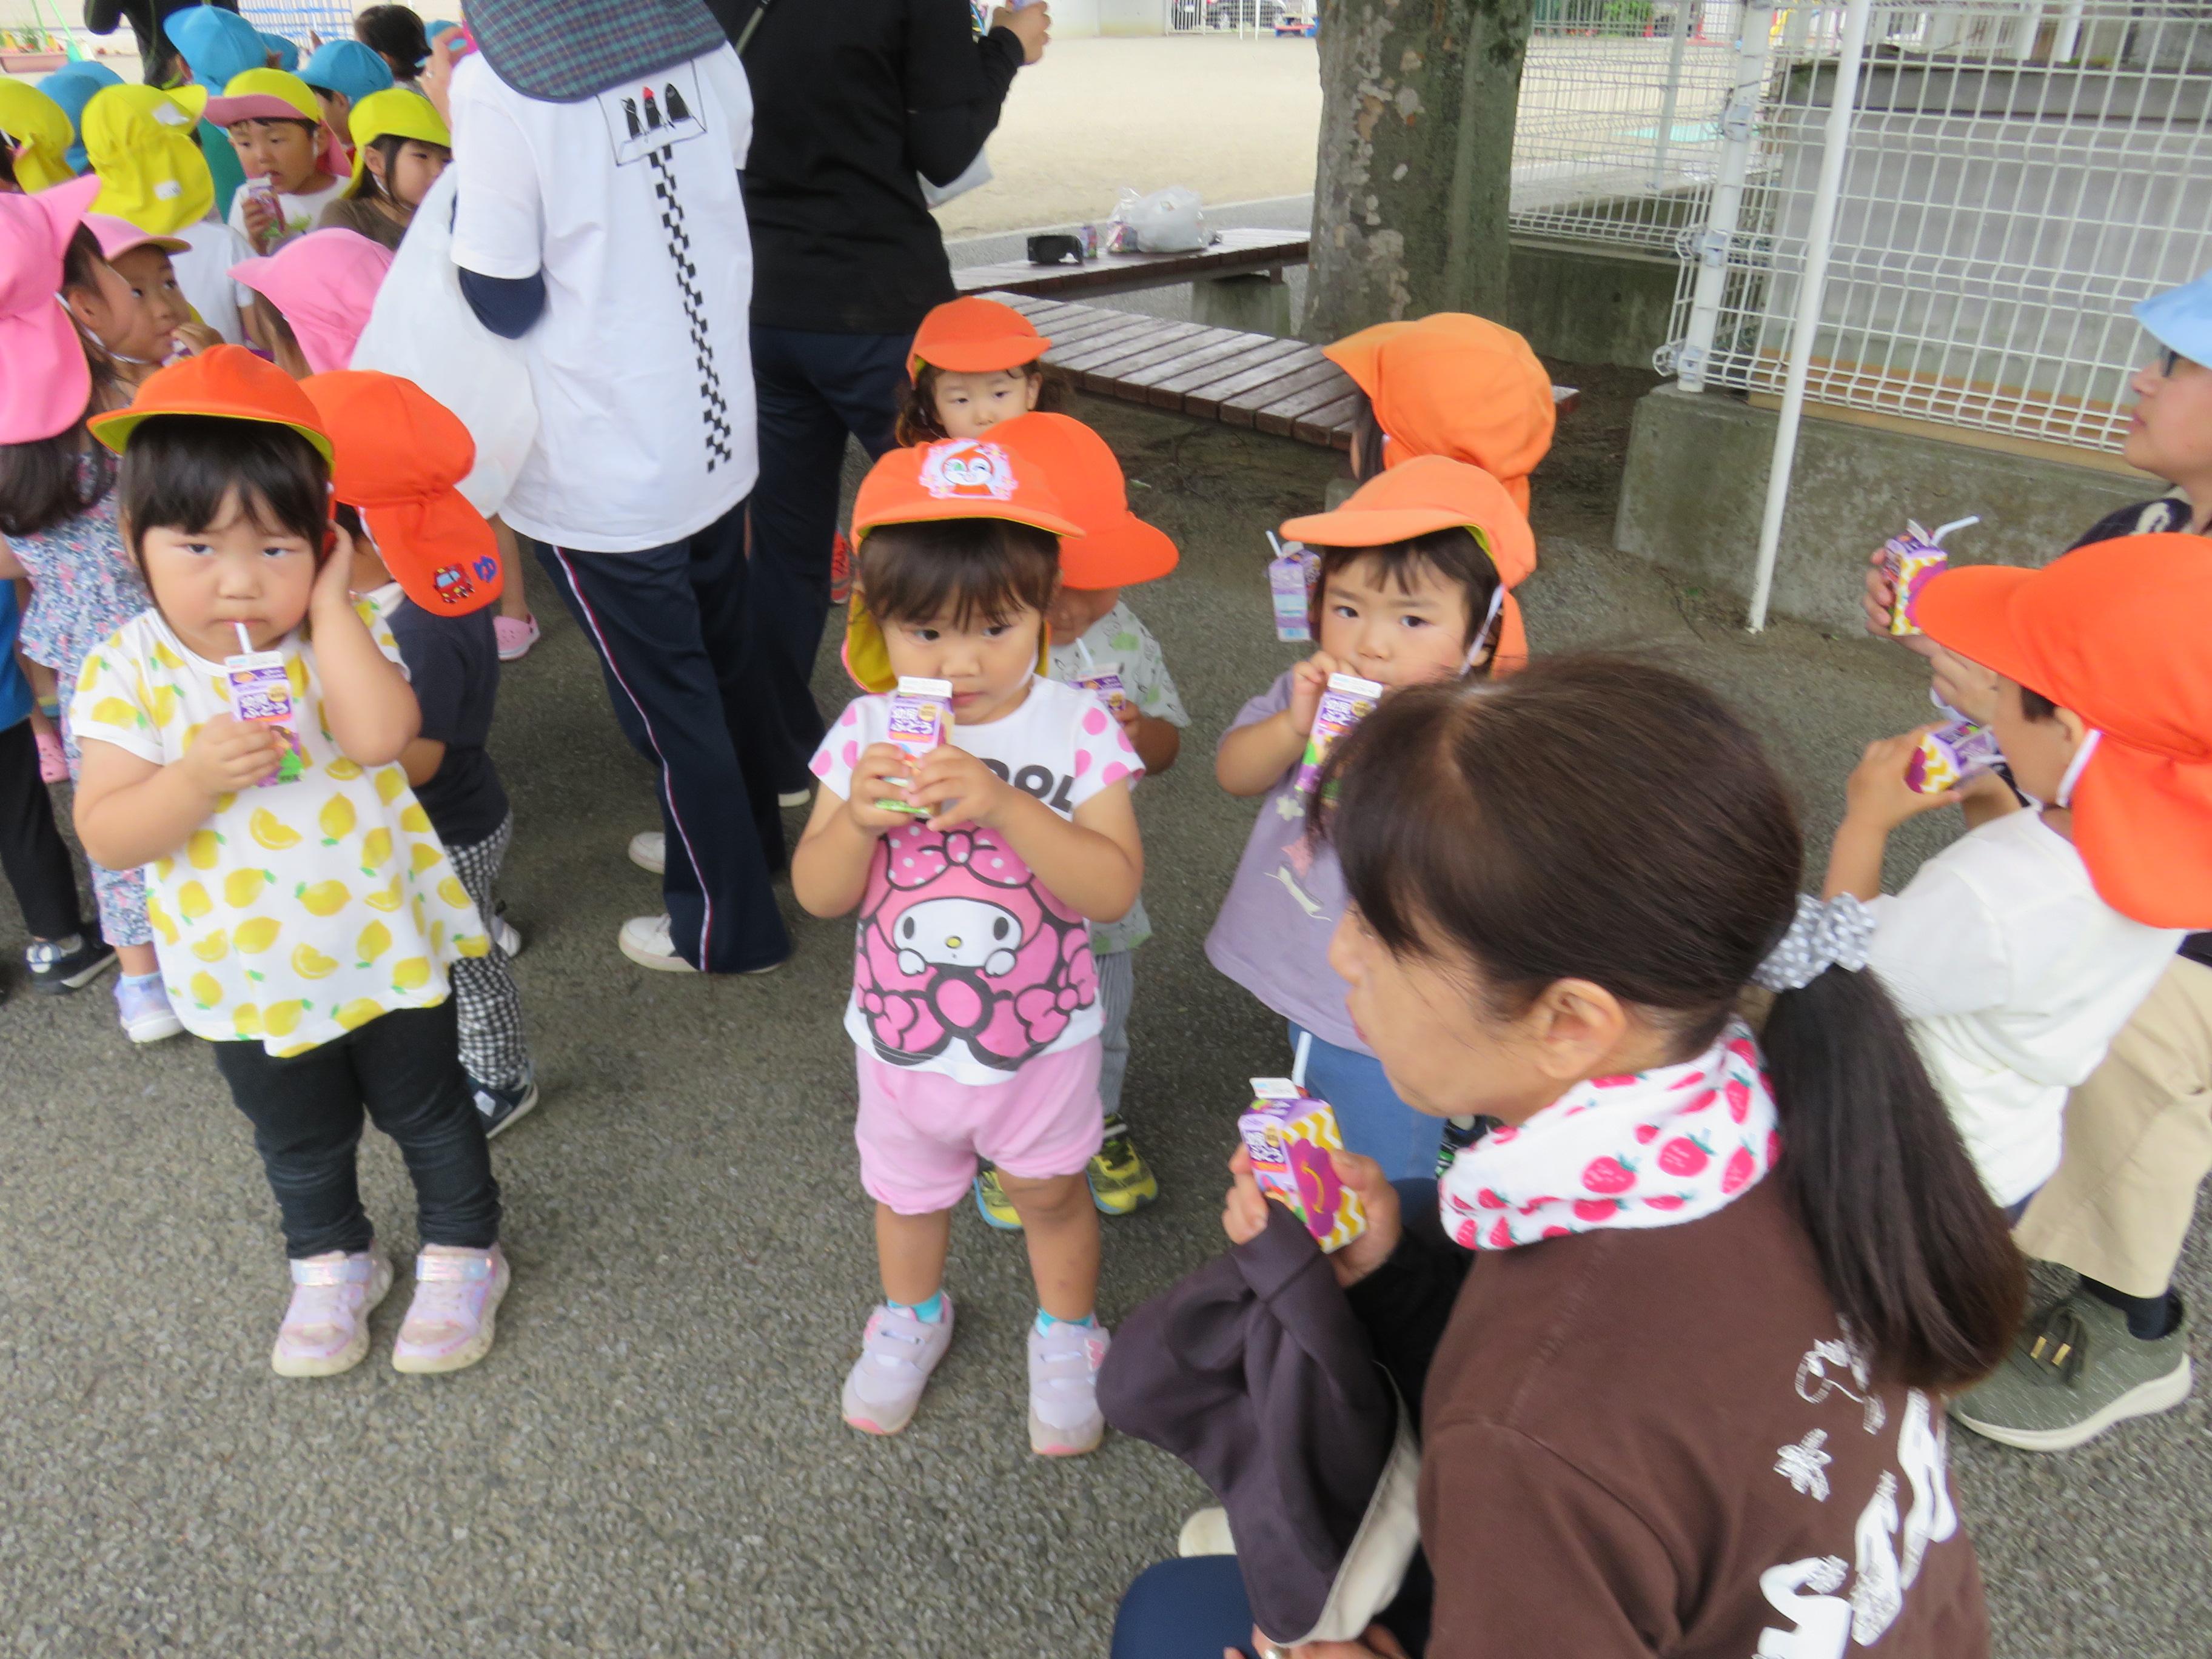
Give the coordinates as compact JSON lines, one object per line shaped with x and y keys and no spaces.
{"x":1411,"y":183}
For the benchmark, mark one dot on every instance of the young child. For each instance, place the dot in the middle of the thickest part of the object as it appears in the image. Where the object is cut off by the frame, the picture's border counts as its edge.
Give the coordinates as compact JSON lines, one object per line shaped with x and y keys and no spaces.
{"x":57,"y":515}
{"x":1416,"y":570}
{"x":1092,"y":628}
{"x":307,"y":913}
{"x":139,"y":140}
{"x":276,"y":127}
{"x":312,"y":298}
{"x":340,"y":73}
{"x":2018,"y":951}
{"x":1451,"y":385}
{"x":977,"y":869}
{"x":975,"y":362}
{"x":399,"y":453}
{"x":216,"y":46}
{"x":400,"y":147}
{"x":135,"y":309}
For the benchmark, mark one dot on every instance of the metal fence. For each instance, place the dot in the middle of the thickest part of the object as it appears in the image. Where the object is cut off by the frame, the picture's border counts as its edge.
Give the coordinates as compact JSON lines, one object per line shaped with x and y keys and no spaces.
{"x":298,"y":19}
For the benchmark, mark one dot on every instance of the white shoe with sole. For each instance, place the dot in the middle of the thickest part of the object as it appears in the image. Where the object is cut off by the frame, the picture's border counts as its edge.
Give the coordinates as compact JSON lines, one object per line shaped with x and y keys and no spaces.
{"x":648,"y":850}
{"x":1065,"y":1421}
{"x":898,"y":1351}
{"x":645,"y":940}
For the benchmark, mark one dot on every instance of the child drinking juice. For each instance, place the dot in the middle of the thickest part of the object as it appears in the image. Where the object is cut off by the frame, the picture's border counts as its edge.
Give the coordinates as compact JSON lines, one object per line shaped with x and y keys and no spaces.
{"x":977,"y":867}
{"x":57,"y":515}
{"x":293,"y":167}
{"x":1415,"y":569}
{"x":975,"y":362}
{"x":305,"y":927}
{"x":1098,"y":642}
{"x":400,"y":147}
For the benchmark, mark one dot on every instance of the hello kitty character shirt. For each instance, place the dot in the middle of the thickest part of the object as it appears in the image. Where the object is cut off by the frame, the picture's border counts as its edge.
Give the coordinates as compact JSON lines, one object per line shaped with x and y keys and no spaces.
{"x":964,"y":961}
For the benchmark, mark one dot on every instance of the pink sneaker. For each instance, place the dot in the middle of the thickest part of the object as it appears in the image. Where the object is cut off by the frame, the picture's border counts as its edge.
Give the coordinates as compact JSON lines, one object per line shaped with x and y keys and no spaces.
{"x":326,"y":1330}
{"x":515,"y":634}
{"x":449,"y":1324}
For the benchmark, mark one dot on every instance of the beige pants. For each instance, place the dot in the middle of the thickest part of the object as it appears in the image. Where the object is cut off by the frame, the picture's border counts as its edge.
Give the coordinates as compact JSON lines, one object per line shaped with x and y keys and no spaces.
{"x":2138,"y":1142}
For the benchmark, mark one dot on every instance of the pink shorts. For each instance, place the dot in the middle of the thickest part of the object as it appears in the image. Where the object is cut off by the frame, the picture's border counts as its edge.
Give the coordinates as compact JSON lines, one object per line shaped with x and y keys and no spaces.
{"x":919,"y":1133}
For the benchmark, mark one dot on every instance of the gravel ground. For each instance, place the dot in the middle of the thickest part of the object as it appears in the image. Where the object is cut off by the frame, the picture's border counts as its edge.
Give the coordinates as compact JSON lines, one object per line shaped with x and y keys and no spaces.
{"x":651,"y":1462}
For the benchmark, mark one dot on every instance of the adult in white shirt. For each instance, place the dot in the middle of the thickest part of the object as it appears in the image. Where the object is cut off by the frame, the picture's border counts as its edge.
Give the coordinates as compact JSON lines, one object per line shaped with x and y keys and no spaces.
{"x":599,"y":220}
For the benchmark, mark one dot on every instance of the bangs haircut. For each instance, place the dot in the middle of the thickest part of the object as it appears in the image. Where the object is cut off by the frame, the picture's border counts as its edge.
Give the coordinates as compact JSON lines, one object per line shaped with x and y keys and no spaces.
{"x":963,"y":568}
{"x":1455,"y":554}
{"x":178,"y":471}
{"x":917,"y":421}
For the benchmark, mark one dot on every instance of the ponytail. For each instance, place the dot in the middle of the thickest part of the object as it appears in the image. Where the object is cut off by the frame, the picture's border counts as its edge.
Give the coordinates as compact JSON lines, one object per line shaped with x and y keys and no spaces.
{"x":1919,"y":1261}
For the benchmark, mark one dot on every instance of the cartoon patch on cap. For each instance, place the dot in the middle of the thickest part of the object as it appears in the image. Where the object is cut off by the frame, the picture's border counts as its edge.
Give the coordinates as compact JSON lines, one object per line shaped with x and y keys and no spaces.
{"x":452,"y":581}
{"x":966,"y":469}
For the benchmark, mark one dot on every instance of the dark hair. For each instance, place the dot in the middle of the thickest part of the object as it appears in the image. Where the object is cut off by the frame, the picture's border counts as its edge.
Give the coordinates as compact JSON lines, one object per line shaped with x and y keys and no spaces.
{"x":274,"y":318}
{"x":917,"y":415}
{"x":989,"y":568}
{"x":179,"y":469}
{"x":2036,"y":706}
{"x":1454,"y":554}
{"x":8,"y":162}
{"x":395,"y":32}
{"x":48,"y":480}
{"x":387,"y":145}
{"x":1366,"y":440}
{"x":1599,"y":818}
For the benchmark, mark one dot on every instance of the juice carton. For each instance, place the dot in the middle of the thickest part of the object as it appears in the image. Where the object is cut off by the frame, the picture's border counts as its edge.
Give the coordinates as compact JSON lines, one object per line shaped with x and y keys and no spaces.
{"x":1948,"y":755}
{"x":1347,"y":701}
{"x":1292,"y":574}
{"x":1914,"y":559}
{"x":1288,"y":1134}
{"x":1103,"y":678}
{"x":261,"y":694}
{"x":263,"y":191}
{"x":920,"y":721}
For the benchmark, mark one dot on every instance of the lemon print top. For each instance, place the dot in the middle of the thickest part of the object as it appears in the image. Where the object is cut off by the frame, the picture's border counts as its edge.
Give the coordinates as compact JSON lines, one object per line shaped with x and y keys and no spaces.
{"x":300,"y":910}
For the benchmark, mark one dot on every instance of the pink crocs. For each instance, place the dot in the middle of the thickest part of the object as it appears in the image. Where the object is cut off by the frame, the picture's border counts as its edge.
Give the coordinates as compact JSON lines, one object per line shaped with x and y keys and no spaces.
{"x":449,"y":1324}
{"x":325,"y":1329}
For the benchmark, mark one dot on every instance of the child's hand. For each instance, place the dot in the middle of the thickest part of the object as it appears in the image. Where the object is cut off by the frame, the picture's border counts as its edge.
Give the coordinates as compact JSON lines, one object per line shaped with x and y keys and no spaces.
{"x":1129,"y":715}
{"x":1880,"y":600}
{"x":261,"y":225}
{"x":334,"y":581}
{"x":957,"y":788}
{"x":230,"y":754}
{"x":1878,"y":795}
{"x":1243,"y":1209}
{"x":1308,"y":681}
{"x":875,"y":777}
{"x":1965,"y":685}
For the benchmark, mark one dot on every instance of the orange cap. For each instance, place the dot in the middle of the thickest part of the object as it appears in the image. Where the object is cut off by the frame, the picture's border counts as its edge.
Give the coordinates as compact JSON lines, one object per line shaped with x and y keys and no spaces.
{"x":1427,"y":492}
{"x":973,"y":335}
{"x":1455,"y":385}
{"x":227,"y":381}
{"x":1117,"y":548}
{"x":957,"y":479}
{"x":400,"y":454}
{"x":2114,"y":631}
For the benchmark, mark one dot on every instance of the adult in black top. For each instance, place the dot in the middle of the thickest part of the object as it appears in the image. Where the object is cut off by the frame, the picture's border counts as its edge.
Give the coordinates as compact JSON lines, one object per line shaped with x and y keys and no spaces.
{"x":850,"y":102}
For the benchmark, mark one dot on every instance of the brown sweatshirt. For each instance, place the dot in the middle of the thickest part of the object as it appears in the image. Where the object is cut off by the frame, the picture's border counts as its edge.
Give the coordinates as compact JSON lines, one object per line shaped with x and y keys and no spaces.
{"x":1659,"y":1441}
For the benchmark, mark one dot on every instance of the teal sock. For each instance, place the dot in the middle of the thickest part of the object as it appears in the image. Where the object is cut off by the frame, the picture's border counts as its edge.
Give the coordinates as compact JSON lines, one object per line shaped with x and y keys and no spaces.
{"x":1045,"y":1322}
{"x":928,"y":1312}
{"x":124,"y":981}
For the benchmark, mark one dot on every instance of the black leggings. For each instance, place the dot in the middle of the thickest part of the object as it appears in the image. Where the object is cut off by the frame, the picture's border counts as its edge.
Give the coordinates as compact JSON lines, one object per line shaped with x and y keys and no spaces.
{"x":32,"y":851}
{"x":403,"y":1068}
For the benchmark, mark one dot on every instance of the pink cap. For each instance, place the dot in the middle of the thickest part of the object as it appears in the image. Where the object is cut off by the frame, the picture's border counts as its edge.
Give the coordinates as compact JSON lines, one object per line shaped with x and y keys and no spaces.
{"x":119,"y":236}
{"x":324,"y":283}
{"x":48,"y":382}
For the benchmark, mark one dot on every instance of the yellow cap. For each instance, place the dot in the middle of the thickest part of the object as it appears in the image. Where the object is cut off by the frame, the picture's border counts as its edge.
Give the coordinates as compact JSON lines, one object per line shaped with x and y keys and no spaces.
{"x":395,"y":113}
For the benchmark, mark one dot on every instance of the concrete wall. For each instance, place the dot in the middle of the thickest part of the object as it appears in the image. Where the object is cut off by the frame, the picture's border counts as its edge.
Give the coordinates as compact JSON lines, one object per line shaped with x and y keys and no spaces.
{"x":1590,"y":304}
{"x":1123,"y":17}
{"x":1696,"y":481}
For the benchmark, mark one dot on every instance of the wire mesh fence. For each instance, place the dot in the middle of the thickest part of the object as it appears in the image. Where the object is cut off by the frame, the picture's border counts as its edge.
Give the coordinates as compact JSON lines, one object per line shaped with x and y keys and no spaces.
{"x":2015,"y":177}
{"x":295,"y":19}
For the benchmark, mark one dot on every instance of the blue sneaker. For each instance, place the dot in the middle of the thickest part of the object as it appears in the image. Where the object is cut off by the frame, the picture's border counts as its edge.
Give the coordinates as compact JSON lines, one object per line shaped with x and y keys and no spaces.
{"x":992,"y":1202}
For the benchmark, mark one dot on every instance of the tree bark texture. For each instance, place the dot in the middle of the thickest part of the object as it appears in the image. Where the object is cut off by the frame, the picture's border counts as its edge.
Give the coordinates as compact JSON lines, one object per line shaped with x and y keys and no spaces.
{"x":1414,"y":172}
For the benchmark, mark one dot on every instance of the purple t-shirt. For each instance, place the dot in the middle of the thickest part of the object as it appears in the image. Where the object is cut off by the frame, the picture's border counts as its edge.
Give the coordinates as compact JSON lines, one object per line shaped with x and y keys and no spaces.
{"x":1271,"y":935}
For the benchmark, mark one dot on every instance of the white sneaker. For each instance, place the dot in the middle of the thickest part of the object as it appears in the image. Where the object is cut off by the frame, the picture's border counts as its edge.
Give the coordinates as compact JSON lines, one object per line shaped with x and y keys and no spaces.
{"x":898,"y":1351}
{"x":326,"y":1328}
{"x":646,"y":942}
{"x":791,"y":798}
{"x":1206,"y":1532}
{"x":648,"y":850}
{"x":506,"y":936}
{"x":1065,"y":1421}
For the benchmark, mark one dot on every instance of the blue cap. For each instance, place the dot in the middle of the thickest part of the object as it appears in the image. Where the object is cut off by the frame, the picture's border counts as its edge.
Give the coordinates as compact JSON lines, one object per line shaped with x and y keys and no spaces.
{"x":288,"y":55}
{"x":71,"y":86}
{"x":348,"y":67}
{"x":2181,"y":318}
{"x":218,"y":46}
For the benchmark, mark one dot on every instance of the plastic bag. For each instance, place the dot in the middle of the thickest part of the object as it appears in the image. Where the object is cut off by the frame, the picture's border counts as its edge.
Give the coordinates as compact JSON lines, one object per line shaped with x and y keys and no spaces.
{"x":424,"y":329}
{"x":1170,"y":221}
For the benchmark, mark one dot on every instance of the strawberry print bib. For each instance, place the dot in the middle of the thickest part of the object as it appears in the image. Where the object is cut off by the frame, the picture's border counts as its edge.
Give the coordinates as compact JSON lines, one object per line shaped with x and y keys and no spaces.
{"x":1651,"y":1150}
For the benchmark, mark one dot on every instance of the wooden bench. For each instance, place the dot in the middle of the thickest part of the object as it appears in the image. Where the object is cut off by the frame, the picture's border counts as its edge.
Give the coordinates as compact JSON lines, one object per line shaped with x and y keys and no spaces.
{"x":1273,"y":385}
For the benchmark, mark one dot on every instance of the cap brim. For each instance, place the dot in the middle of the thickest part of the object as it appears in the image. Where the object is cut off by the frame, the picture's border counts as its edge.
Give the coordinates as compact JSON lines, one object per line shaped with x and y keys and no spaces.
{"x":167,"y":244}
{"x":114,"y":428}
{"x":1358,"y":354}
{"x":1967,"y":610}
{"x":1118,"y":556}
{"x":982,"y":356}
{"x":1377,"y":528}
{"x":253,"y":106}
{"x":956,"y":507}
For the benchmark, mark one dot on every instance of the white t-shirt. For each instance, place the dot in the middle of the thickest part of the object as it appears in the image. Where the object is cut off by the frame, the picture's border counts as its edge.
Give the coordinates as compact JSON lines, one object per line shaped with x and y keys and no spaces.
{"x":2016,"y":977}
{"x":299,"y":910}
{"x":629,"y":204}
{"x":299,"y":213}
{"x":964,"y":961}
{"x":204,"y":275}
